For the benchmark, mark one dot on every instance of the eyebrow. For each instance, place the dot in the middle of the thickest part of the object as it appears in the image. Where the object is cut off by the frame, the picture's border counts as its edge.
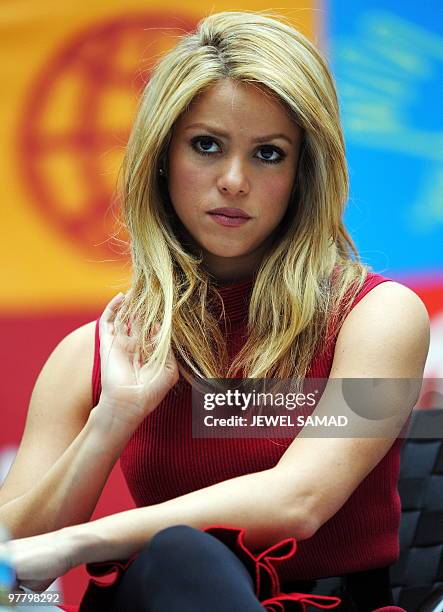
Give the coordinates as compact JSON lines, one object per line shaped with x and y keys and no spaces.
{"x":225,"y":135}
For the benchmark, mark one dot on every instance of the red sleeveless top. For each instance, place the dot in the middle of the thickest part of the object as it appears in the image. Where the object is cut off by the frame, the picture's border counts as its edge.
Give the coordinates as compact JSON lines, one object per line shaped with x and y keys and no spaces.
{"x":162,"y":461}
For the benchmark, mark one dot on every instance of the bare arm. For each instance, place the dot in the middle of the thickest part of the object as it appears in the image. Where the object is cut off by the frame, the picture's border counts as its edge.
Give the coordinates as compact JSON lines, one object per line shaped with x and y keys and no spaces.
{"x":68,"y":493}
{"x":386,"y":336}
{"x":62,"y":464}
{"x":254,"y":501}
{"x":69,"y":448}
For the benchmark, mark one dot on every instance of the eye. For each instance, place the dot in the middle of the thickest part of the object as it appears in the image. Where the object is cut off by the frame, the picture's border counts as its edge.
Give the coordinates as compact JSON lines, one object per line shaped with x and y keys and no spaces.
{"x":270,"y":150}
{"x":203,"y":146}
{"x":205,"y":141}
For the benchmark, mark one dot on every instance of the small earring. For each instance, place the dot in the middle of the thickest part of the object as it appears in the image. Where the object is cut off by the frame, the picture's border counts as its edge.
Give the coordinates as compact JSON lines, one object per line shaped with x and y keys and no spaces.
{"x":162,"y":172}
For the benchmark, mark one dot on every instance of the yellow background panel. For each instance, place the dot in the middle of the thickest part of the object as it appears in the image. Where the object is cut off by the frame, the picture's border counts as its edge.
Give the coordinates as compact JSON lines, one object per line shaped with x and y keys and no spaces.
{"x":71,"y":76}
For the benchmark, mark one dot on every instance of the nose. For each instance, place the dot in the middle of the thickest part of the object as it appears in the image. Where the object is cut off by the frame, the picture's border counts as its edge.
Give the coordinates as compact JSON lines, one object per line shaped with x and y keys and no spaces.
{"x":233,"y":179}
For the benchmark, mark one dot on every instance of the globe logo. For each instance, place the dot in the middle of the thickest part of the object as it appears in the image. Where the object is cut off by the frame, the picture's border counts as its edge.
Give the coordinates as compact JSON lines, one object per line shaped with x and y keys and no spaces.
{"x":76,"y":120}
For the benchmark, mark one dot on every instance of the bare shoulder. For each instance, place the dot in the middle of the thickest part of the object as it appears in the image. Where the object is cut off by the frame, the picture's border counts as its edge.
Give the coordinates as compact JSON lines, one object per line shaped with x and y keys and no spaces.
{"x":395,"y":292}
{"x":58,"y":410}
{"x":72,"y":360}
{"x":79,"y":341}
{"x":390,"y":327}
{"x":397,"y":303}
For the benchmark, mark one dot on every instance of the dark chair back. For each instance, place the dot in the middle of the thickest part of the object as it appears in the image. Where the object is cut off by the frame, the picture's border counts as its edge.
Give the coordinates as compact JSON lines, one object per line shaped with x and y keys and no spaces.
{"x":417,"y":576}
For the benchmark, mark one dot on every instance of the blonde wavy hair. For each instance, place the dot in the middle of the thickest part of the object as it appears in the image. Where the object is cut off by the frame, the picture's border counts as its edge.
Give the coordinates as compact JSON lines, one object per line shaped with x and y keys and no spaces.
{"x":305,"y":285}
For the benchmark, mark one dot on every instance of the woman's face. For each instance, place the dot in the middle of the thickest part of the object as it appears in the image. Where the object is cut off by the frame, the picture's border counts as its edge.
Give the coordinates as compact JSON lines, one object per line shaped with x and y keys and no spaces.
{"x":237,"y":148}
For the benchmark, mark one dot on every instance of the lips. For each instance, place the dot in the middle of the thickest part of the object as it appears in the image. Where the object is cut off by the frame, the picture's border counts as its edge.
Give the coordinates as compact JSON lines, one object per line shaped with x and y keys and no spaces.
{"x":235,"y":213}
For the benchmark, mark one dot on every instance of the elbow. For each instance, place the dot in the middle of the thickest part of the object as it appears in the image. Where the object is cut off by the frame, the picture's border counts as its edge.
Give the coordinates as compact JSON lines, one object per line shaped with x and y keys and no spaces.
{"x":300,"y":524}
{"x":296,"y":513}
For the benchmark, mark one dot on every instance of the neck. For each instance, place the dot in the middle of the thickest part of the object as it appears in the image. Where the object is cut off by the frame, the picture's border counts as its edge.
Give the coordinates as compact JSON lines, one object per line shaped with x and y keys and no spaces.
{"x":232,"y":270}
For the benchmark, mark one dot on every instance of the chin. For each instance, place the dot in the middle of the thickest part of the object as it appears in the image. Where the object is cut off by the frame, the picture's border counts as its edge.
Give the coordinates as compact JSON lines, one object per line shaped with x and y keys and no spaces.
{"x":227,"y":252}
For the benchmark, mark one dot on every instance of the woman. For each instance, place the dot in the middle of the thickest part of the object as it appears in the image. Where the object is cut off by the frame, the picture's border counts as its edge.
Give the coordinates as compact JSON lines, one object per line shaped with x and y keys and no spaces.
{"x":233,"y":192}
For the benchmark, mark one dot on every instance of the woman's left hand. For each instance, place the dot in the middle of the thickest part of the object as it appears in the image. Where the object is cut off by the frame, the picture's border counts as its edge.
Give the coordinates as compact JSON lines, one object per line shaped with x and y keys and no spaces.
{"x":39,"y":560}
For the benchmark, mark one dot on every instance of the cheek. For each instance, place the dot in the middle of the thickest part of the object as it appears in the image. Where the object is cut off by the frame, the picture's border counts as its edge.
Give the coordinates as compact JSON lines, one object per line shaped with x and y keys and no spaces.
{"x":276,"y":197}
{"x":196,"y":180}
{"x":187,"y":184}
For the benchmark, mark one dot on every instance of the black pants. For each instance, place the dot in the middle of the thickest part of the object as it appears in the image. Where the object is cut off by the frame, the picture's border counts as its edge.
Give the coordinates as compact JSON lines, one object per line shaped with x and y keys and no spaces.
{"x":183,"y":569}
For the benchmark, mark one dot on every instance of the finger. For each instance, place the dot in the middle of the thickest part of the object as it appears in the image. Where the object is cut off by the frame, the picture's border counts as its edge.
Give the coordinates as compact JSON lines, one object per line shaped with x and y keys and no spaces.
{"x":155,"y":330}
{"x":111,"y":308}
{"x":136,"y":359}
{"x":134,"y":329}
{"x":106,"y":323}
{"x":126,"y":343}
{"x":171,"y":364}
